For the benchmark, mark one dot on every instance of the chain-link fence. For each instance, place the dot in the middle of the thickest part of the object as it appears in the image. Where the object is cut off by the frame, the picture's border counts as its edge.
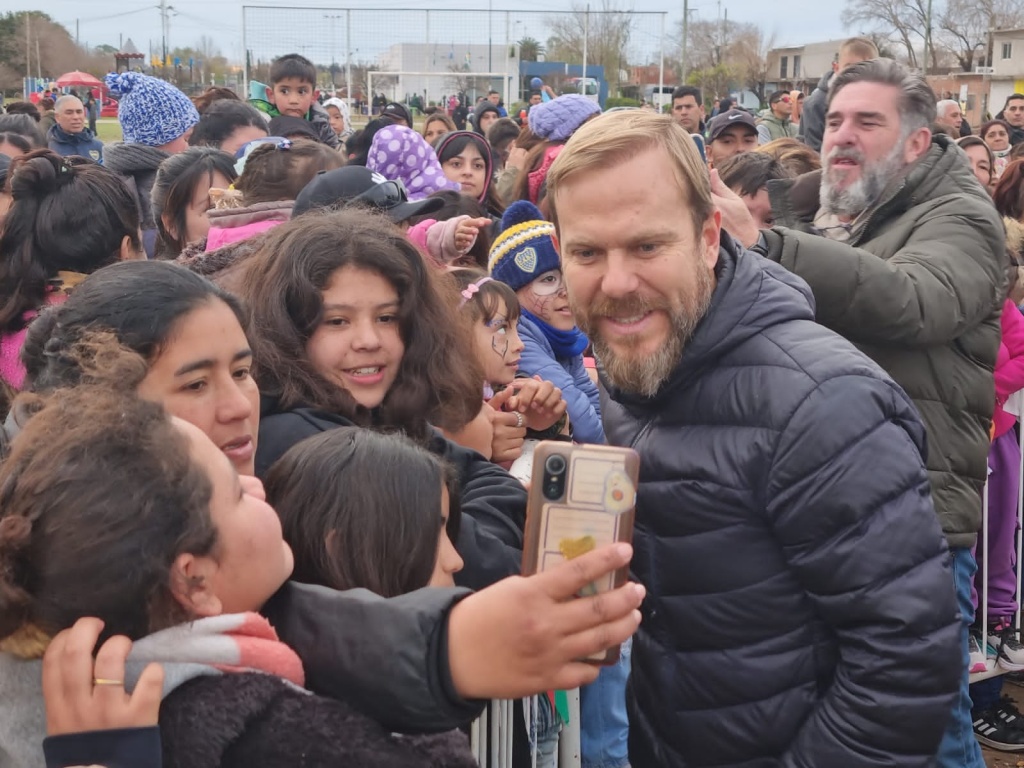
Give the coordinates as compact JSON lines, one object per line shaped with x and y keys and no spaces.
{"x":445,"y":52}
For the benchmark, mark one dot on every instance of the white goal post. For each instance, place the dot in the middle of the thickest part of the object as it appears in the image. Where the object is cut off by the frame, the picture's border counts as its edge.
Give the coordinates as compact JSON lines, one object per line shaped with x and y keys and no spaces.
{"x":400,"y":90}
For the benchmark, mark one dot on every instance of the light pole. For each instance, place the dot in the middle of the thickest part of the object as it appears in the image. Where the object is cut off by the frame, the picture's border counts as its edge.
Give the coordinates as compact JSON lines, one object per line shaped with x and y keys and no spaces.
{"x":686,"y":39}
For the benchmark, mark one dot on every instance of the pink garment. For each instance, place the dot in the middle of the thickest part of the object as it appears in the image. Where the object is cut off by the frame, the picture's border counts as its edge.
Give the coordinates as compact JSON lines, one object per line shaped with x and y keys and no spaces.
{"x":1009,"y":373}
{"x":538,"y":177}
{"x":11,"y":369}
{"x":437,"y":239}
{"x":219,"y":237}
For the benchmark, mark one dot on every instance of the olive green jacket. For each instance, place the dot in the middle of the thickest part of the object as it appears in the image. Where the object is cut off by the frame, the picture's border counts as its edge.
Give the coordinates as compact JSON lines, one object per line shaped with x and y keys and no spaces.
{"x":919,"y":287}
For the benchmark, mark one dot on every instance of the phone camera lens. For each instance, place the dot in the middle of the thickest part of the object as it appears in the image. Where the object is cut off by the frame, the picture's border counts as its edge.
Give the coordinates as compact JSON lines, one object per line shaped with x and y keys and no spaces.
{"x":555,"y":465}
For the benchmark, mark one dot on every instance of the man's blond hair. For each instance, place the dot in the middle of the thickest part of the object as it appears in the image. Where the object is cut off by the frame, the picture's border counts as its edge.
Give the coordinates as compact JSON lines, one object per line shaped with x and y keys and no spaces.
{"x":611,"y":139}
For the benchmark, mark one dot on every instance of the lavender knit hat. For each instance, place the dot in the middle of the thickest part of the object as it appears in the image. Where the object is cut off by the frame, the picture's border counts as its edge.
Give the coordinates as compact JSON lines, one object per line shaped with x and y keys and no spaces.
{"x":399,"y":153}
{"x":151,"y":111}
{"x":558,"y":119}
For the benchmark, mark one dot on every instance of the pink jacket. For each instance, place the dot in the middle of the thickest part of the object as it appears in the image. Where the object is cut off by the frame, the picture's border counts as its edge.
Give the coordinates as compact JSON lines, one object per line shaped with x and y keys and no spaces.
{"x":1009,"y":372}
{"x":232,"y":225}
{"x":11,"y":369}
{"x":437,"y":239}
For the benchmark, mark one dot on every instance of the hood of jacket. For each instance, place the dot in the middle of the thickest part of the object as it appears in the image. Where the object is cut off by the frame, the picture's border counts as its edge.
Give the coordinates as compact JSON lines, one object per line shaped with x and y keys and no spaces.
{"x":131,"y":159}
{"x":751,"y":295}
{"x":482,"y":109}
{"x":939,"y":172}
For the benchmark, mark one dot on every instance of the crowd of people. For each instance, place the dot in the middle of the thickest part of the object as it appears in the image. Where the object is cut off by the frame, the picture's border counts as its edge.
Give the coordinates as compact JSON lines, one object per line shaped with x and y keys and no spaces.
{"x":271,"y":382}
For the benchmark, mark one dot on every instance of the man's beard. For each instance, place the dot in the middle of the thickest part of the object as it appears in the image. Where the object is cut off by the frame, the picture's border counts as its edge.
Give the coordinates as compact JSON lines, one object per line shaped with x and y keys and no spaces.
{"x":639,"y":373}
{"x":867,"y":190}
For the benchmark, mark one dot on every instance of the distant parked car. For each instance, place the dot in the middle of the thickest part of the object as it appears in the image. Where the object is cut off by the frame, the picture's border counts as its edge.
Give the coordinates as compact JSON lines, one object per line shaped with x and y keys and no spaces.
{"x":109,"y":108}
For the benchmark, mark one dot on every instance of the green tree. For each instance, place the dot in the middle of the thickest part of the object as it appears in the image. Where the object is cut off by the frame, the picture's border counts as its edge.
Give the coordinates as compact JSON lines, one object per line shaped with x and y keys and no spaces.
{"x":530,"y":49}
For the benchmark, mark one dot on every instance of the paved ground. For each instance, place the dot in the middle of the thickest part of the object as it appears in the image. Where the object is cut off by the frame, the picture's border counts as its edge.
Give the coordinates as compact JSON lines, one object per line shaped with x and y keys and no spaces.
{"x":995,"y":759}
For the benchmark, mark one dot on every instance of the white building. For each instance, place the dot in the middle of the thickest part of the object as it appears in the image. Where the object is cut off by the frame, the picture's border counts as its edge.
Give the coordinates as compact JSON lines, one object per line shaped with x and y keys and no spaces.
{"x":800,"y":67}
{"x":449,"y":68}
{"x":1007,"y":72}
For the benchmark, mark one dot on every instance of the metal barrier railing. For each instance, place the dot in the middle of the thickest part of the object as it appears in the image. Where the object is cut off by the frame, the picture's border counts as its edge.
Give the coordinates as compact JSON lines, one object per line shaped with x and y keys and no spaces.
{"x":992,"y":667}
{"x":490,"y":736}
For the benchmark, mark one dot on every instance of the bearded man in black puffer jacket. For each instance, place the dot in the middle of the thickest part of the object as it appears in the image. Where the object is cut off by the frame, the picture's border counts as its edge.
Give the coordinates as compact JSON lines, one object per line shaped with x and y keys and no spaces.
{"x":800,"y":607}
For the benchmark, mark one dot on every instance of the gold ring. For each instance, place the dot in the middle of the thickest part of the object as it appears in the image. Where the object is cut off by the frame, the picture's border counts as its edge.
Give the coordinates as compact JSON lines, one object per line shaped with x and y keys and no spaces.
{"x":104,"y":681}
{"x":520,"y":421}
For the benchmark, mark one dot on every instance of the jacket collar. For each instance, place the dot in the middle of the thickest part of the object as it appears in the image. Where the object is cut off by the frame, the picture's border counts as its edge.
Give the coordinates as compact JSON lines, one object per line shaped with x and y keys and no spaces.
{"x":59,"y":134}
{"x":752,"y":294}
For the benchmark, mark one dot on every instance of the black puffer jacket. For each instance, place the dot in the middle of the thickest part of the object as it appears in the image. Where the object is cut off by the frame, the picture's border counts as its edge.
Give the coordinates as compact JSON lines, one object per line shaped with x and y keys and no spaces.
{"x":800,"y":608}
{"x":493,"y":502}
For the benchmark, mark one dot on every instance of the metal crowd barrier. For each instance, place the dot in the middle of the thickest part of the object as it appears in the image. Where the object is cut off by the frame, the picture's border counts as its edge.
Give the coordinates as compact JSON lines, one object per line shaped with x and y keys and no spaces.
{"x":992,"y":667}
{"x":490,"y":736}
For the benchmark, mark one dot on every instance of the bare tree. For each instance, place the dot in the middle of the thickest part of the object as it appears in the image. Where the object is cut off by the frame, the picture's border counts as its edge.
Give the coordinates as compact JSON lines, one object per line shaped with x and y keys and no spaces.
{"x":964,"y":28}
{"x":723,"y":55}
{"x":900,"y":21}
{"x":606,"y":31}
{"x":750,"y":51}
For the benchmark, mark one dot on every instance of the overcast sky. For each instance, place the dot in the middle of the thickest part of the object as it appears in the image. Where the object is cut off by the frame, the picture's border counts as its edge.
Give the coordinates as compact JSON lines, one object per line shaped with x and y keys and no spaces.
{"x":103,"y":21}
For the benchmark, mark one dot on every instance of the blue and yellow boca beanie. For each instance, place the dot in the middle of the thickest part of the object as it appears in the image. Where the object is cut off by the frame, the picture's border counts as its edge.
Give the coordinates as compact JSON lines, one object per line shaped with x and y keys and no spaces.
{"x":524,"y":250}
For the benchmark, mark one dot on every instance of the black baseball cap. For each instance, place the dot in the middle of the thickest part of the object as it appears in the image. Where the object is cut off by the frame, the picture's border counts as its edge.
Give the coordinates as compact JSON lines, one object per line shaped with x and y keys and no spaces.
{"x":728,"y":119}
{"x":358,"y":185}
{"x":394,"y":109}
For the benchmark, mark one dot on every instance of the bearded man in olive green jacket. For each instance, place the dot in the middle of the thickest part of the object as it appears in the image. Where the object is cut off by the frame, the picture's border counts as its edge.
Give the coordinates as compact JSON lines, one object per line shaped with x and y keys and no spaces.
{"x":905,"y":255}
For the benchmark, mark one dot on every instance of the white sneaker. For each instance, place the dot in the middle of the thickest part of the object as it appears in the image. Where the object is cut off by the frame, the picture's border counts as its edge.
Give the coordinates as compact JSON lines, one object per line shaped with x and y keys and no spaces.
{"x":1006,"y":642}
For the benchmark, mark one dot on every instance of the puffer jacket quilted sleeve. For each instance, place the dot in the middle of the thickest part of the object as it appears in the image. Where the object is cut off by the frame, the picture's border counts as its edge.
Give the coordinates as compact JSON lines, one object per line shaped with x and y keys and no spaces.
{"x":853,"y":518}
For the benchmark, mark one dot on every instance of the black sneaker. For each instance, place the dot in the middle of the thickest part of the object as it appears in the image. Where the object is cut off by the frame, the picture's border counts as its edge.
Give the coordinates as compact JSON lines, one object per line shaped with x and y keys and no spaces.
{"x":1001,"y":727}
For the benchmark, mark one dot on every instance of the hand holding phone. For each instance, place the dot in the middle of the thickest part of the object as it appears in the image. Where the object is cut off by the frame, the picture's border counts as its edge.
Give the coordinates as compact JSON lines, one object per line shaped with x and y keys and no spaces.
{"x":581,"y":497}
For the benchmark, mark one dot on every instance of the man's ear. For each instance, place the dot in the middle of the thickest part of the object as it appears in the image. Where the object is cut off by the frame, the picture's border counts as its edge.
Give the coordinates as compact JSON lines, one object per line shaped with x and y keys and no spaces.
{"x":190,"y":582}
{"x":917,"y":144}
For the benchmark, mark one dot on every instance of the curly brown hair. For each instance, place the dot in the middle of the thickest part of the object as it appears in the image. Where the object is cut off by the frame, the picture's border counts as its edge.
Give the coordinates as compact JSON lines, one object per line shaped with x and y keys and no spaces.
{"x":437,"y":382}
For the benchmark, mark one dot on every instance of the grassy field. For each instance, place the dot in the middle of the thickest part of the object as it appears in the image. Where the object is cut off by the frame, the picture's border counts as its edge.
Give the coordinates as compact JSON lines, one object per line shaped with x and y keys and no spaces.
{"x":108,"y":129}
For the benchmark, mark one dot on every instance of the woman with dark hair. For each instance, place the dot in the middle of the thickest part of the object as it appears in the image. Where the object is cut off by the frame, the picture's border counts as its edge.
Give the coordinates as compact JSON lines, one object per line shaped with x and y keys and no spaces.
{"x":996,"y":133}
{"x":68,"y":218}
{"x":323,"y":489}
{"x":466,"y":158}
{"x":179,"y":561}
{"x":23,"y":125}
{"x":181,"y":196}
{"x":982,"y":160}
{"x":356,"y":328}
{"x":1008,"y":195}
{"x":228,"y":125}
{"x":14,"y":145}
{"x":188,"y":331}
